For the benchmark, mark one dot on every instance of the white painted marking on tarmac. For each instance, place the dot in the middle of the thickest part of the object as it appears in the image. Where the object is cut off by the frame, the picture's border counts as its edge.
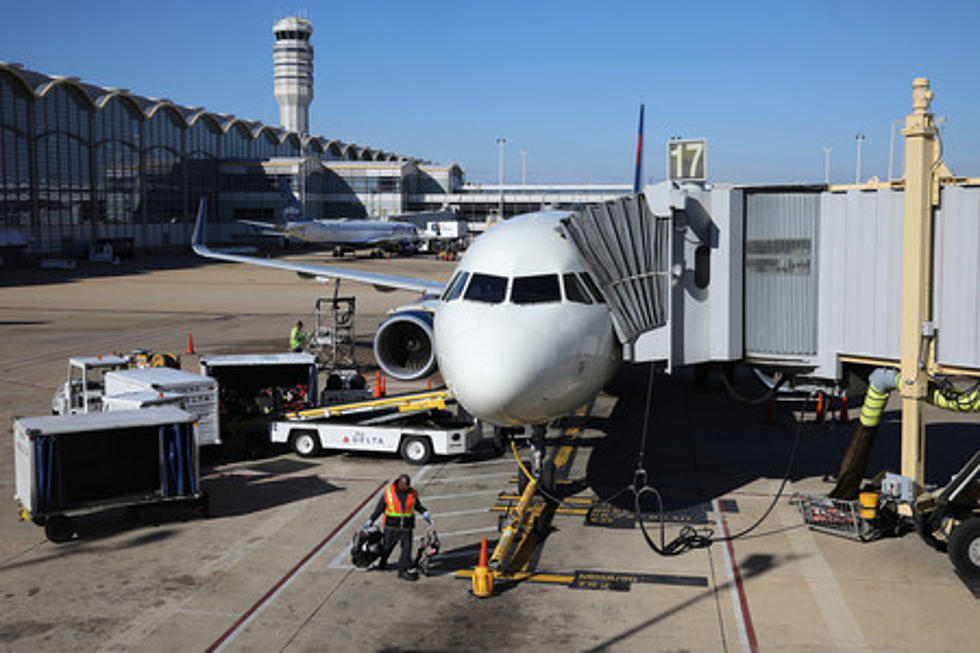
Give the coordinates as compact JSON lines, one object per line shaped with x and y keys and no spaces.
{"x":842,"y":627}
{"x":730,"y":571}
{"x":457,"y":513}
{"x":483,"y":463}
{"x":475,"y":477}
{"x":320,"y":549}
{"x":479,"y":493}
{"x":130,"y":636}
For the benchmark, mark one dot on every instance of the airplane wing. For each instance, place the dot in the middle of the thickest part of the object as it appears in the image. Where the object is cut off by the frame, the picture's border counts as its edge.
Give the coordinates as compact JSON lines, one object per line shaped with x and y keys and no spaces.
{"x":380,"y":281}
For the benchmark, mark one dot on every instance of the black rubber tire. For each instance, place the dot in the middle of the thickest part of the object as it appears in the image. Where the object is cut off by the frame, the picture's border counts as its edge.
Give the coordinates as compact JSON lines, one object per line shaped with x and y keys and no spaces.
{"x":964,"y":548}
{"x":305,"y":442}
{"x":415,"y":450}
{"x":60,"y":529}
{"x":924,"y":530}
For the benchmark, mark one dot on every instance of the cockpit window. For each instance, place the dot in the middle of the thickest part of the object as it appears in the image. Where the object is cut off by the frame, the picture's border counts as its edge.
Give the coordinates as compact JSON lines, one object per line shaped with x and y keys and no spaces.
{"x":486,"y":288}
{"x":455,"y":288}
{"x":574,"y":292}
{"x":535,"y":290}
{"x":593,"y":287}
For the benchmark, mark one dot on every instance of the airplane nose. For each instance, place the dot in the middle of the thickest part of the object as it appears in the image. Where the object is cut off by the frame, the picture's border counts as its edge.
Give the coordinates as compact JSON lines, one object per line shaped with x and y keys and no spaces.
{"x":497,"y":372}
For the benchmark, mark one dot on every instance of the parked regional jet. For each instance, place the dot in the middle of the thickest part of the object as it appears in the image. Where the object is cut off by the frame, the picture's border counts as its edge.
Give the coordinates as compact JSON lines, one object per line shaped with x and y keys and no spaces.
{"x":344,"y":235}
{"x":521,"y":333}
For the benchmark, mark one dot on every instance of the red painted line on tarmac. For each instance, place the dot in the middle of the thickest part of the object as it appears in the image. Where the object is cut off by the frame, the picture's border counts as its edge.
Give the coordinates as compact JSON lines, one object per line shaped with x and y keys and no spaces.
{"x":292,"y":572}
{"x":743,"y":601}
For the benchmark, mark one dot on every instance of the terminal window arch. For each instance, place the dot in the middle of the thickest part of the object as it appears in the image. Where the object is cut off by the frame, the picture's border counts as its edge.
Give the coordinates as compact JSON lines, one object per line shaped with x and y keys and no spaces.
{"x":63,"y":141}
{"x":537,"y":289}
{"x":15,"y":170}
{"x":574,"y":290}
{"x":486,"y":288}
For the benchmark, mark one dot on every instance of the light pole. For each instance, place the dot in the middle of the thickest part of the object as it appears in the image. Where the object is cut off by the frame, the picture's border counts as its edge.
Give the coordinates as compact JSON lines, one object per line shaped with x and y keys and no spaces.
{"x":523,"y":167}
{"x":891,"y":151}
{"x":500,"y":175}
{"x":826,"y":164}
{"x":857,"y":171}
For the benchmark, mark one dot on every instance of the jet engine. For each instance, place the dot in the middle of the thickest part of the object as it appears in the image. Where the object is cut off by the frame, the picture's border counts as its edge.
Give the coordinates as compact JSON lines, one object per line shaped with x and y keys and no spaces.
{"x":404,"y":345}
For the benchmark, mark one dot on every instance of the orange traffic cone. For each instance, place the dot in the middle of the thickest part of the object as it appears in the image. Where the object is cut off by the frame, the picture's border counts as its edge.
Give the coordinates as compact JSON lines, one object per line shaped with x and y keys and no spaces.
{"x":190,"y":344}
{"x":821,"y":408}
{"x":482,"y":579}
{"x":843,"y":417}
{"x":377,"y":385}
{"x":384,"y":387}
{"x":428,"y":384}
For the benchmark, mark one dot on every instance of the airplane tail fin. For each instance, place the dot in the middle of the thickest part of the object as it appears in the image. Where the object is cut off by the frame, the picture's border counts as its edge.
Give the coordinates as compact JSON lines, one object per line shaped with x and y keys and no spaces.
{"x":638,"y":175}
{"x":292,"y":211}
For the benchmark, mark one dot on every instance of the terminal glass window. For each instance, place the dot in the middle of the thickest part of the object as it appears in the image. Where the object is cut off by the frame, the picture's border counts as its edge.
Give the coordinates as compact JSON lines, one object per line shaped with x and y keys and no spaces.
{"x":538,"y":289}
{"x":15,"y":138}
{"x":162,"y":172}
{"x":593,"y":287}
{"x":455,"y":289}
{"x":574,"y":292}
{"x":63,"y":172}
{"x":118,"y":133}
{"x":487,"y":288}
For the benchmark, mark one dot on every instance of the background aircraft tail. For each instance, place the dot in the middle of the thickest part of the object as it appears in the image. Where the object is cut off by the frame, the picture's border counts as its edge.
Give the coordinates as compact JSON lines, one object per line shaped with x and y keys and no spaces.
{"x":638,"y":175}
{"x":292,"y":211}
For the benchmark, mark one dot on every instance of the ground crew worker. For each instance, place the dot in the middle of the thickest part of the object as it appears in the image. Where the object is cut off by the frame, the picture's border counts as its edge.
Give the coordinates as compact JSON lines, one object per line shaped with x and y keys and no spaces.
{"x":297,"y":338}
{"x":399,"y":503}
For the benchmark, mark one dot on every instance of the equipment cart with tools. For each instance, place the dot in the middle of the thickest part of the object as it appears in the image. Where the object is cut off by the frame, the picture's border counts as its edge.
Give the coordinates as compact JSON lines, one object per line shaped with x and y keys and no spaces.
{"x":73,"y":464}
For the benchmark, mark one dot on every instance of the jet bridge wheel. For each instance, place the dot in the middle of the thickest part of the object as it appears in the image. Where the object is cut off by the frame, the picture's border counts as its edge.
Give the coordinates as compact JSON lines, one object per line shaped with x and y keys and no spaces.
{"x":964,"y":548}
{"x":416,"y":450}
{"x":305,"y":442}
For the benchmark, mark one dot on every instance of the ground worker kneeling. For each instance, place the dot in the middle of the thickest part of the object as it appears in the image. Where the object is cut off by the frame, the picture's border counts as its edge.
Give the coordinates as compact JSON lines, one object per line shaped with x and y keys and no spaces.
{"x":297,"y":337}
{"x":399,"y":503}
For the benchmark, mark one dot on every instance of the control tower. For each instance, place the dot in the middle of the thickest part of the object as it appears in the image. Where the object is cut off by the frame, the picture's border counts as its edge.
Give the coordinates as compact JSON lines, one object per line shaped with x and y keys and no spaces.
{"x":292,"y":59}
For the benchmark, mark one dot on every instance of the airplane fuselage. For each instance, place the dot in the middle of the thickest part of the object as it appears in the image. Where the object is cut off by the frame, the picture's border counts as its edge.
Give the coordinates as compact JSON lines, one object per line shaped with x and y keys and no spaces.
{"x":521,"y":335}
{"x":353,"y":233}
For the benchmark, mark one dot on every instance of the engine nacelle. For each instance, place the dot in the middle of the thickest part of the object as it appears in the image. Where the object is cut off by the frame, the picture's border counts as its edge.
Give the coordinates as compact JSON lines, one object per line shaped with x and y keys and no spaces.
{"x":404,"y":345}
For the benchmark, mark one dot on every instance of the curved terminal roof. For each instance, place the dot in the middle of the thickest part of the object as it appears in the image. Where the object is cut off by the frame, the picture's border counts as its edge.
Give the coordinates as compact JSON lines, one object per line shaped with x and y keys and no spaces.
{"x":38,"y":85}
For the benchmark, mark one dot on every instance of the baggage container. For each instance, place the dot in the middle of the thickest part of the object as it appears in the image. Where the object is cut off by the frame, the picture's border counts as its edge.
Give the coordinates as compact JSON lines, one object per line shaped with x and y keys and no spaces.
{"x":199,"y":394}
{"x":70,"y":464}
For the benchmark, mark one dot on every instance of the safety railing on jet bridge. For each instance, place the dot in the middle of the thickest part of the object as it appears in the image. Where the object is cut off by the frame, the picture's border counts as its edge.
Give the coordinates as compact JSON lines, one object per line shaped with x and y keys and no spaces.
{"x":628,"y":248}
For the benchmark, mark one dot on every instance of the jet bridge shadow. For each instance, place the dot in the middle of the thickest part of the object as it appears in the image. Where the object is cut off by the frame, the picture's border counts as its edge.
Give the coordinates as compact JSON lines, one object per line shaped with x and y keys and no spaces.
{"x":701,"y":443}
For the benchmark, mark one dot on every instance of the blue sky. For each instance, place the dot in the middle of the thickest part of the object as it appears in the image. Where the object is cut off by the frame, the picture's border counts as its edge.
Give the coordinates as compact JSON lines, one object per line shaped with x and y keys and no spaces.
{"x":768,"y":83}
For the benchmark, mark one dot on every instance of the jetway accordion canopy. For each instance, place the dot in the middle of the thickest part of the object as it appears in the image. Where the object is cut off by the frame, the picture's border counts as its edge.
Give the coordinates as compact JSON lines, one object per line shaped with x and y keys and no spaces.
{"x":628,"y":248}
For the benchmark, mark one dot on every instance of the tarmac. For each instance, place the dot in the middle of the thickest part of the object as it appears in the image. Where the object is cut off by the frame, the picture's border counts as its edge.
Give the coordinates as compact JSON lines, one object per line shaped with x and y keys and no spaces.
{"x":270,"y":569}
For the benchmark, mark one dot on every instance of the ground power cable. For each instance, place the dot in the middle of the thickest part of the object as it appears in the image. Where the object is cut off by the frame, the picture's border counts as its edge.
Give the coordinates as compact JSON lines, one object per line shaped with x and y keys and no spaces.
{"x":691,"y":538}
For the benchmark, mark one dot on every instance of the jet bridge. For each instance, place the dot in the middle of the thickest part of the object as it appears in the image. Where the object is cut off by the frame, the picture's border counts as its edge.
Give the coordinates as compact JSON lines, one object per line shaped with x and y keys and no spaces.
{"x":628,"y":249}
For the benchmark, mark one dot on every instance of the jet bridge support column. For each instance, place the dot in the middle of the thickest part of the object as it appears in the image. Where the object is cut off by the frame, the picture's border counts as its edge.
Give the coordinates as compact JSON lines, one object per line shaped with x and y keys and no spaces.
{"x":920,"y":158}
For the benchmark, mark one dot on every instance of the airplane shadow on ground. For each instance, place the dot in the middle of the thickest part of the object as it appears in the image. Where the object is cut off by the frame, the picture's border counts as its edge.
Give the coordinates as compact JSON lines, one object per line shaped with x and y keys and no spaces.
{"x":702,"y":444}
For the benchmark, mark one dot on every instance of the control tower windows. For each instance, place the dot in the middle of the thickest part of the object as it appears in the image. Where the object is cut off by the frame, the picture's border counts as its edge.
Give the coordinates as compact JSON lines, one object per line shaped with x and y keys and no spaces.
{"x":290,"y":35}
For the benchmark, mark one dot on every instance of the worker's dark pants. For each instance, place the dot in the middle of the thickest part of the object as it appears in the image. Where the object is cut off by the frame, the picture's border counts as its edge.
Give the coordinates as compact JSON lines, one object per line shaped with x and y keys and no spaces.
{"x":403,"y":537}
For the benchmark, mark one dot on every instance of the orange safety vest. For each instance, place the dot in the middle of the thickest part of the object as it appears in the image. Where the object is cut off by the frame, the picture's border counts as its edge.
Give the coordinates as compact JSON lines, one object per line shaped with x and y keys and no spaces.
{"x":393,"y":507}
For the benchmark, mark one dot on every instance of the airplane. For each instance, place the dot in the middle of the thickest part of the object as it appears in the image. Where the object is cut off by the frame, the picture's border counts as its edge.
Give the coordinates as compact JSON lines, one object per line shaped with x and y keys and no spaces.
{"x":521,"y":334}
{"x":344,"y":235}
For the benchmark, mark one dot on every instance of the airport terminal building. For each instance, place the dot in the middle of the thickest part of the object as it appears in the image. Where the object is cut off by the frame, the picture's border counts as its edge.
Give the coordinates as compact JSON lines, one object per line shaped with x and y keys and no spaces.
{"x":80,"y":163}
